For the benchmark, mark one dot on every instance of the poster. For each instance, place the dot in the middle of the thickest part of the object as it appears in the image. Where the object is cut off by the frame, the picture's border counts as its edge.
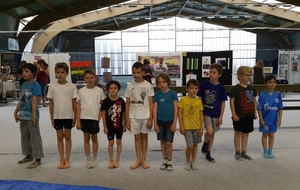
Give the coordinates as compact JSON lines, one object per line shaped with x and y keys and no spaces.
{"x":206,"y":62}
{"x":107,"y":77}
{"x":105,"y":62}
{"x":77,"y":69}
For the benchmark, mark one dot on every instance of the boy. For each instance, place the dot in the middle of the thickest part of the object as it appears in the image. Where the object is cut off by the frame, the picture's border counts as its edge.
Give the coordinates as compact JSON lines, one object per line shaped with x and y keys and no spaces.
{"x":62,"y":106}
{"x":113,"y":109}
{"x":28,"y":114}
{"x":139,"y":112}
{"x":190,"y":115}
{"x":213,"y":95}
{"x":270,"y":114}
{"x":165,"y":112}
{"x":243,"y":109}
{"x":90,"y":98}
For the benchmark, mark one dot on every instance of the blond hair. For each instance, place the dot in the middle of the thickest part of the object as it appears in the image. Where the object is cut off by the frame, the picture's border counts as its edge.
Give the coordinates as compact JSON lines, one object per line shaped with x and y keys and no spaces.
{"x":242,"y":70}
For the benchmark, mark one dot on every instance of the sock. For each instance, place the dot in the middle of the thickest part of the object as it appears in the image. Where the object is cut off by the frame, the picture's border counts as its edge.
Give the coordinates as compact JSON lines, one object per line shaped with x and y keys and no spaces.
{"x":237,"y":152}
{"x":271,"y":154}
{"x":165,"y":161}
{"x":266,"y":153}
{"x":169,"y":161}
{"x":208,"y":153}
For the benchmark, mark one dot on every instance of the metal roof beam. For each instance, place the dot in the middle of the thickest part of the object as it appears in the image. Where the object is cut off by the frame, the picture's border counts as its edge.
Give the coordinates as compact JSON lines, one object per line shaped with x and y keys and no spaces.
{"x":46,"y":4}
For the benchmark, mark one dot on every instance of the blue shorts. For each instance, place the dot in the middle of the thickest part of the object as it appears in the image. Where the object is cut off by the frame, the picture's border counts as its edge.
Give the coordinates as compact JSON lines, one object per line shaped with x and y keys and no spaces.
{"x":63,"y":123}
{"x":165,"y":133}
{"x":89,"y":126}
{"x":268,"y":129}
{"x":244,"y":125}
{"x":192,"y":137}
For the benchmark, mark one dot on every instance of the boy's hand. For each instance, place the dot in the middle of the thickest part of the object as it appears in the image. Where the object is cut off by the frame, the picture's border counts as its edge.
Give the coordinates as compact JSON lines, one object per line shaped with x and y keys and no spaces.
{"x":128,"y":125}
{"x":105,"y":130}
{"x":17,"y":119}
{"x":182,"y":131}
{"x":156,"y":128}
{"x":219,"y":122}
{"x":173,"y":128}
{"x":149,"y":124}
{"x":262,"y":122}
{"x":235,"y":118}
{"x":200,"y":132}
{"x":278,"y":123}
{"x":124,"y":129}
{"x":255,"y":116}
{"x":78,"y":125}
{"x":52,"y":122}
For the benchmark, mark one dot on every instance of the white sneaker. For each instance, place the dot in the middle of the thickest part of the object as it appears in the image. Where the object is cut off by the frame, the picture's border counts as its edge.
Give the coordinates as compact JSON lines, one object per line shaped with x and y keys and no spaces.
{"x":89,"y":163}
{"x":94,"y":162}
{"x":187,"y":166}
{"x":194,"y":167}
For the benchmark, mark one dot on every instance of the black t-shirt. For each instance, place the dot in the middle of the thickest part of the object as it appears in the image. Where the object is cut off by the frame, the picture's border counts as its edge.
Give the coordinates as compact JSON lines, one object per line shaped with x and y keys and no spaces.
{"x":114,"y":112}
{"x":244,"y":100}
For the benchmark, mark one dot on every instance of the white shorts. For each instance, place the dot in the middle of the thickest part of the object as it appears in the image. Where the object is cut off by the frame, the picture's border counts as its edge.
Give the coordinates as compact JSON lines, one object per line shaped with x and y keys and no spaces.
{"x":139,"y":126}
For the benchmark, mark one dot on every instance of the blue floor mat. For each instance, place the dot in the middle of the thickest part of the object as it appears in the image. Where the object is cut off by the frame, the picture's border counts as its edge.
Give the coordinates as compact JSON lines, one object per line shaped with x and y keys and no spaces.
{"x":33,"y":185}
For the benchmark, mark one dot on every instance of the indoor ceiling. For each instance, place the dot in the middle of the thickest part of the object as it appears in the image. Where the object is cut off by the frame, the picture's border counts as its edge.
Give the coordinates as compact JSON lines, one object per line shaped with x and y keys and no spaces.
{"x":91,"y":18}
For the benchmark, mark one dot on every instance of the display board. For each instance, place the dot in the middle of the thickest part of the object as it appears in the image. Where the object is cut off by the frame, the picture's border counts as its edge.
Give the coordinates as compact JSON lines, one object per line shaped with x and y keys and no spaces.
{"x":12,"y":60}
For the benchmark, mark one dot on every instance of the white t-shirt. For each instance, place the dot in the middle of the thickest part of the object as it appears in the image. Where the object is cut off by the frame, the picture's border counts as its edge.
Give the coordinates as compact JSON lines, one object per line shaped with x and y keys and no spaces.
{"x":62,"y":95}
{"x":138,"y":92}
{"x":90,"y":102}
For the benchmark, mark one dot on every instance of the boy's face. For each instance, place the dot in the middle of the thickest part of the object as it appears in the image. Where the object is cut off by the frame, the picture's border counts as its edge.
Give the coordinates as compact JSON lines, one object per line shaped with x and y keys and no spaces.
{"x":162,"y":84}
{"x":192,"y":90}
{"x":27,"y":74}
{"x":245,"y":77}
{"x":113,"y":89}
{"x":214,"y":74}
{"x":137,"y":74}
{"x":61,"y":74}
{"x":271,"y":84}
{"x":89,"y":79}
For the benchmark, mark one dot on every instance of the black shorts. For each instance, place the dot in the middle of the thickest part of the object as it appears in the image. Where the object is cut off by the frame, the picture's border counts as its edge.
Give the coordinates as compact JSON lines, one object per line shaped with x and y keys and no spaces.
{"x":112,"y":132}
{"x":63,"y":123}
{"x":244,"y":125}
{"x":89,"y":126}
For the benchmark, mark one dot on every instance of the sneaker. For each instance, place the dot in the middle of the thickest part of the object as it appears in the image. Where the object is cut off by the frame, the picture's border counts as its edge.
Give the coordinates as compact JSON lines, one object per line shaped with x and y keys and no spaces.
{"x":94,"y":162}
{"x":194,"y":167}
{"x":163,"y":166}
{"x":34,"y":164}
{"x":89,"y":164}
{"x":271,"y":155}
{"x":266,"y":154}
{"x":25,"y":159}
{"x":169,"y":167}
{"x":210,"y":159}
{"x":238,"y":157}
{"x":204,"y":149}
{"x":244,"y":155}
{"x":187,"y":166}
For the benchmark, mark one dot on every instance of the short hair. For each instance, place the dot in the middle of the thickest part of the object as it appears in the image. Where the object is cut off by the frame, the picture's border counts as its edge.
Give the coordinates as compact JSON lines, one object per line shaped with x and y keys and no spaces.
{"x":163,"y":76}
{"x":62,"y":65}
{"x":31,"y":67}
{"x":113,"y":82}
{"x":138,"y":65}
{"x":217,"y":66}
{"x":192,"y":82}
{"x":89,"y":71}
{"x":41,"y":61}
{"x":146,"y":61}
{"x":242,"y":70}
{"x":269,"y":77}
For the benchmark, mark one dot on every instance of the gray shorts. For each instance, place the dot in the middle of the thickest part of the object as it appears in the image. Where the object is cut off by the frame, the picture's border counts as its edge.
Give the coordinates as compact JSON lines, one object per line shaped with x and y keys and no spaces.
{"x":209,"y":121}
{"x":192,"y":137}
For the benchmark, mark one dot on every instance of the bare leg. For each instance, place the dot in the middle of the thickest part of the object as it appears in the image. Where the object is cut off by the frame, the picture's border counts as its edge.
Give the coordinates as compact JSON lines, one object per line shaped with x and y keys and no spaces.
{"x":237,"y":141}
{"x":60,"y":146}
{"x":271,"y":140}
{"x":111,"y":154}
{"x":244,"y":141}
{"x":194,"y":152}
{"x":119,"y":149}
{"x":68,"y":148}
{"x":264,"y":139}
{"x":138,"y":147}
{"x":188,"y":154}
{"x":144,"y":151}
{"x":163,"y":149}
{"x":168,"y":150}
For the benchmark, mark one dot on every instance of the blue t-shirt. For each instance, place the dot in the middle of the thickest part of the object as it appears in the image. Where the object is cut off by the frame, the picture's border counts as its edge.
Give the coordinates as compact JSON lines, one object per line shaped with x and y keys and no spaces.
{"x":212,"y":97}
{"x":27,"y":91}
{"x":269,"y":105}
{"x":165,"y":106}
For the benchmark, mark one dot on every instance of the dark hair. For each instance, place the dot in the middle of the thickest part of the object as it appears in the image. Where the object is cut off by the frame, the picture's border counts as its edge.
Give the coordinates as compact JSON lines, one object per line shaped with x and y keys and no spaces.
{"x":113,"y":82}
{"x":31,"y":67}
{"x":269,"y":77}
{"x":146,"y":61}
{"x":41,"y":61}
{"x":62,"y":65}
{"x":89,"y":71}
{"x":192,"y":82}
{"x":165,"y":77}
{"x":217,"y":66}
{"x":138,"y":65}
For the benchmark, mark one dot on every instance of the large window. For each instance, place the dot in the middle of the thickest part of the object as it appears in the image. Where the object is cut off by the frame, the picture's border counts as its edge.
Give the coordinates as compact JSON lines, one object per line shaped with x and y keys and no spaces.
{"x":172,"y":35}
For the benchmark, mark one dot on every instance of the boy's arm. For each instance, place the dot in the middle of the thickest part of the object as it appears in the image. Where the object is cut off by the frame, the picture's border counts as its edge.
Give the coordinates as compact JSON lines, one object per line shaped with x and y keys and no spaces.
{"x":104,"y":121}
{"x":279,"y":118}
{"x":201,"y":123}
{"x":232,"y":109}
{"x":78,"y":113}
{"x":127,"y":105}
{"x":255,"y":107}
{"x":34,"y":109}
{"x":180,"y":110}
{"x":149,"y":123}
{"x":156,"y":128}
{"x":123,"y":121}
{"x":173,"y":127}
{"x":74,"y":105}
{"x":261,"y":119}
{"x":51,"y":108}
{"x":17,"y":119}
{"x":220,"y":119}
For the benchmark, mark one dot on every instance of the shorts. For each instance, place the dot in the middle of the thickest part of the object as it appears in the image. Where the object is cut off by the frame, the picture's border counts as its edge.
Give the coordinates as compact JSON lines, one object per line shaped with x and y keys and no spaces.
{"x":63,"y":123}
{"x":165,"y":133}
{"x":244,"y":125}
{"x":112,"y":132}
{"x":89,"y":126}
{"x":209,"y":121}
{"x":192,"y":137}
{"x":268,"y":129}
{"x":139,"y":126}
